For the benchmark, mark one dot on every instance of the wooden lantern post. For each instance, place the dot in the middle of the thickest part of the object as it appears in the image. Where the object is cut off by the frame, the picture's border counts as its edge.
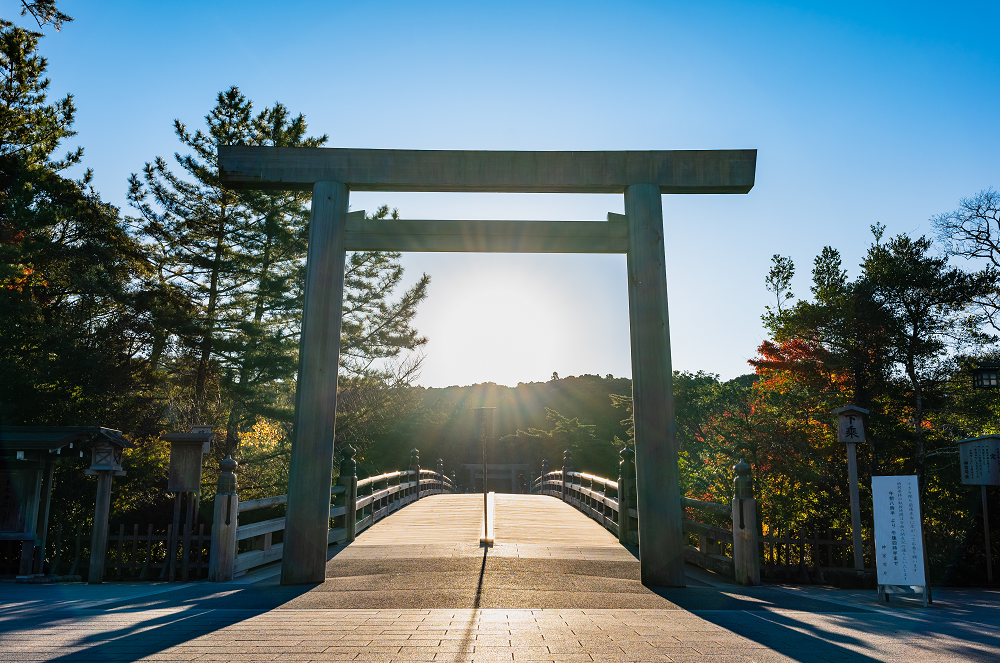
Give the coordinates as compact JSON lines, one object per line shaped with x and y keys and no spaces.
{"x":981,"y":462}
{"x":106,"y":463}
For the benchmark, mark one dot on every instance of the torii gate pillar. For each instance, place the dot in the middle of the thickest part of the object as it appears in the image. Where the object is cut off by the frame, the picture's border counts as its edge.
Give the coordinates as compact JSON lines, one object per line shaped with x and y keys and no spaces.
{"x":307,"y":517}
{"x":661,"y":545}
{"x":642,"y":176}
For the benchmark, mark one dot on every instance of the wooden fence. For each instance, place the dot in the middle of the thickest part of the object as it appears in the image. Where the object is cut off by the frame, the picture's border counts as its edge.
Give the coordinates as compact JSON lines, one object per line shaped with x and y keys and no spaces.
{"x":801,"y":556}
{"x":144,"y":553}
{"x":132,"y":553}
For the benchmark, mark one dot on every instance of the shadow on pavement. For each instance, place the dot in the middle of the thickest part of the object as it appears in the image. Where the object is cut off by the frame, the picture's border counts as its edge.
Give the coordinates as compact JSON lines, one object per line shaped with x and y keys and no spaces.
{"x":94,"y":635}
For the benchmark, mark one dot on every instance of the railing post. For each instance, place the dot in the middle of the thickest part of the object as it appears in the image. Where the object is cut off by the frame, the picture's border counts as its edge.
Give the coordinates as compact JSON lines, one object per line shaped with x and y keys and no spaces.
{"x":626,"y":484}
{"x":415,"y":468}
{"x":349,"y":480}
{"x":544,"y":477}
{"x":566,"y":469}
{"x":454,"y":482}
{"x":222,"y":554}
{"x":746,"y":561}
{"x":440,"y":474}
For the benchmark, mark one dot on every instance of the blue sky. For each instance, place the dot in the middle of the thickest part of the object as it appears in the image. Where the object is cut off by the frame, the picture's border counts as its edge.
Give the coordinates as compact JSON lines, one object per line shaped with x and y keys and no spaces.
{"x":860,"y":112}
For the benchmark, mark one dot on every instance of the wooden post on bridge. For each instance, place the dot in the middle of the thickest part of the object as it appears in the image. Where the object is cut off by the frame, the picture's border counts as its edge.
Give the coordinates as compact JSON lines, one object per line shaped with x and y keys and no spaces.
{"x":626,"y":484}
{"x":661,"y":542}
{"x":310,"y":471}
{"x":566,"y":469}
{"x":746,"y":555}
{"x":349,"y":480}
{"x":222,"y":553}
{"x":415,"y":468}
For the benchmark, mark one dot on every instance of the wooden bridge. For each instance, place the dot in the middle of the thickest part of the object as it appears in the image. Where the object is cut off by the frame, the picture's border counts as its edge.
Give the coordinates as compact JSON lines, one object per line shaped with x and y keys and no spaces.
{"x":569,"y":516}
{"x":415,"y":585}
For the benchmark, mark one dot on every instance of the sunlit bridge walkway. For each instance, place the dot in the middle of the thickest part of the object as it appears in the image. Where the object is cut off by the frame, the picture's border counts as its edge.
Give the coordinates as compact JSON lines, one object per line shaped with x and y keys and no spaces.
{"x":418,"y":587}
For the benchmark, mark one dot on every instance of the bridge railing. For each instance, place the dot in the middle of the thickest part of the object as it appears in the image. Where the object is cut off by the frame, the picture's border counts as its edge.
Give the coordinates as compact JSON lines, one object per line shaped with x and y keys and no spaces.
{"x":355,"y":505}
{"x":732,"y":552}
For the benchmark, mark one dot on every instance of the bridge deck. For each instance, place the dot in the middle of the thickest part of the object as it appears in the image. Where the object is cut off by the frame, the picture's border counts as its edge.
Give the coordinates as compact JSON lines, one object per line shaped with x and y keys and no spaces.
{"x":417,"y":587}
{"x":525,"y":526}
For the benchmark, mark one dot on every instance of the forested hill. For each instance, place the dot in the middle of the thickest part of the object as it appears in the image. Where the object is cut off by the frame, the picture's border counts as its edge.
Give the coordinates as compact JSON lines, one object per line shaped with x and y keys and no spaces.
{"x":534,"y":421}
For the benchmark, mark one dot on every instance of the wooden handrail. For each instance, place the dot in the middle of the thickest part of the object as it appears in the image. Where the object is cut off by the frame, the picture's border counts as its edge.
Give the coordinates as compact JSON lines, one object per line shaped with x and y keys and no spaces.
{"x":262,"y":503}
{"x":382,"y":477}
{"x":711,"y":507}
{"x":589,"y":494}
{"x":374,"y":498}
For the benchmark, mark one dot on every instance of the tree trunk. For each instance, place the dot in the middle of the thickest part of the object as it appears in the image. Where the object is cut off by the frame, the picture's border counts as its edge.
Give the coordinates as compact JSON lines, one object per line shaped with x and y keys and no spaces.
{"x":213,"y":300}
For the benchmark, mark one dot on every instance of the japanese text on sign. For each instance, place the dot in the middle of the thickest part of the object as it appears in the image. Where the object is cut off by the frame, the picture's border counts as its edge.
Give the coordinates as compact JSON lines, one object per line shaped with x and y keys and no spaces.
{"x":980,"y":461}
{"x":899,"y":554}
{"x":850,"y":427}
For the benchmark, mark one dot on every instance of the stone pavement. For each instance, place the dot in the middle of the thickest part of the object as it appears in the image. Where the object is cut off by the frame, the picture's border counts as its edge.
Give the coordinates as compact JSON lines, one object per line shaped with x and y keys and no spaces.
{"x":409,"y":591}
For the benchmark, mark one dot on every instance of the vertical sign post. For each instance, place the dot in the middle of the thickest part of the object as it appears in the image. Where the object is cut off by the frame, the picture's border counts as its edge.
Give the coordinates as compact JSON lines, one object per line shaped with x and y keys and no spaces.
{"x":980,"y":459}
{"x":484,"y":432}
{"x":851,"y":431}
{"x":899,"y":549}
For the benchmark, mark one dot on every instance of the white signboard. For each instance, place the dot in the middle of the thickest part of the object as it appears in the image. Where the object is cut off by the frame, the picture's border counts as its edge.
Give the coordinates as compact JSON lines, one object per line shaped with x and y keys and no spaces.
{"x":981,"y":460}
{"x":898,"y":542}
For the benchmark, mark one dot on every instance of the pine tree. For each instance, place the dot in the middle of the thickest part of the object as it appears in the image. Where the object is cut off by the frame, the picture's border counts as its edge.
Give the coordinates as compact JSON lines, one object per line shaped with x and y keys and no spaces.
{"x":239,"y":259}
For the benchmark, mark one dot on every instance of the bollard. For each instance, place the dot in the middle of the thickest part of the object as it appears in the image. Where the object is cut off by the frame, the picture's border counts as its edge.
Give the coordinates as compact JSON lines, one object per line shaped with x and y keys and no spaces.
{"x":746,"y":560}
{"x":349,"y":480}
{"x":566,"y":469}
{"x":415,"y":468}
{"x":222,"y":554}
{"x":626,"y":488}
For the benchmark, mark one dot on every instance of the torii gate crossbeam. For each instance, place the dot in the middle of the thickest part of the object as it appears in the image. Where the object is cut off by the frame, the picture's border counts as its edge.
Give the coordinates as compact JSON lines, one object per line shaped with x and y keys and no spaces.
{"x":642,"y":176}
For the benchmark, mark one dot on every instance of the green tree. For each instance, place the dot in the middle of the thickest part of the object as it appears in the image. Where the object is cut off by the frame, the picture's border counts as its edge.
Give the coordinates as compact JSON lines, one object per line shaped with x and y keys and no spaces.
{"x":72,"y":297}
{"x":229,"y":254}
{"x":45,"y":13}
{"x":375,"y":329}
{"x":926,"y":303}
{"x":238,"y":256}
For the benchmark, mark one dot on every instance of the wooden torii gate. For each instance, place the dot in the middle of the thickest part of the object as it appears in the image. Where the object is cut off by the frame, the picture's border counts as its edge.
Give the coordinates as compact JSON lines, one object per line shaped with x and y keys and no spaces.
{"x":330,"y":174}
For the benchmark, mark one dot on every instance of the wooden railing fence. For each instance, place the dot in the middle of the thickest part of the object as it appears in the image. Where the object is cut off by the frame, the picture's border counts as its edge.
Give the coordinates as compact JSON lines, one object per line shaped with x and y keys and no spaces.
{"x":733,"y":552}
{"x":355,"y":505}
{"x":232,"y":548}
{"x":132,"y":553}
{"x":810,"y":556}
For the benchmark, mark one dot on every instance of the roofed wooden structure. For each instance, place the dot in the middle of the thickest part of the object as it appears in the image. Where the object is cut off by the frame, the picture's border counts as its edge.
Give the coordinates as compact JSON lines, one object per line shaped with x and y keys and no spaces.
{"x":28,"y":456}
